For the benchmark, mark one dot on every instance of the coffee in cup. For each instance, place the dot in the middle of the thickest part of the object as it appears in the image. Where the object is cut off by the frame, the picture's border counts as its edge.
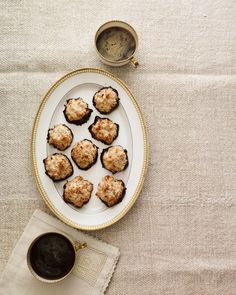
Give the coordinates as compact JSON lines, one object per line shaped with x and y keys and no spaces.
{"x":51,"y":256}
{"x":116,"y":43}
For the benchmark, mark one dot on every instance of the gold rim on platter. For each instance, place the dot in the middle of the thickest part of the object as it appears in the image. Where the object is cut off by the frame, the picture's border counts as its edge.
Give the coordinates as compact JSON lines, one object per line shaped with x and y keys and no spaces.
{"x":33,"y":150}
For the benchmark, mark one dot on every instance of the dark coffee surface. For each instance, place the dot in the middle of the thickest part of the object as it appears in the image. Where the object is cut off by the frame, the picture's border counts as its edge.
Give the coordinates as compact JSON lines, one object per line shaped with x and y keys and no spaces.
{"x":52,"y":256}
{"x":116,"y":44}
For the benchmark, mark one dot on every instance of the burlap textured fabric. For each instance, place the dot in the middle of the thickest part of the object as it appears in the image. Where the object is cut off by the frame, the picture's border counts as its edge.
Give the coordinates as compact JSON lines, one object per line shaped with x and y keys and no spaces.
{"x":180,"y":236}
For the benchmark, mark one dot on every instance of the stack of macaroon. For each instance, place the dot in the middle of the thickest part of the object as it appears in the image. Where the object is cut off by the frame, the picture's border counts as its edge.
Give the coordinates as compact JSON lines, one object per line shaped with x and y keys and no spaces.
{"x":85,"y":153}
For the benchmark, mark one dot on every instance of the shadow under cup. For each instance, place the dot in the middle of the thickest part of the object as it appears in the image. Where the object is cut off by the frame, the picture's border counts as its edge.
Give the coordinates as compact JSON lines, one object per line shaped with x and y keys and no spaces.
{"x":51,"y":257}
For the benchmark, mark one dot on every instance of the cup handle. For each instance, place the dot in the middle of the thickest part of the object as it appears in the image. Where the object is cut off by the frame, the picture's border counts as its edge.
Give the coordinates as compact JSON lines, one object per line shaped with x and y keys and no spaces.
{"x":79,"y":246}
{"x":134,"y":62}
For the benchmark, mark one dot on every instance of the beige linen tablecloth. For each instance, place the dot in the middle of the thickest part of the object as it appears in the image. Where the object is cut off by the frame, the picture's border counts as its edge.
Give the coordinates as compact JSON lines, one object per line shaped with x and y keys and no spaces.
{"x":180,"y":236}
{"x":93,"y":270}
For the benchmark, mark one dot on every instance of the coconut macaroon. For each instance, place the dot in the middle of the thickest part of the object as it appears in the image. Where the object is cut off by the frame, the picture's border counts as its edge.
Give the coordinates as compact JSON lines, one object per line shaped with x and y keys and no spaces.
{"x":84,"y":154}
{"x":114,"y":159}
{"x":111,"y":191}
{"x":77,"y":111}
{"x":58,"y":167}
{"x":60,"y":137}
{"x":104,"y":130}
{"x":77,"y":191}
{"x":106,"y":99}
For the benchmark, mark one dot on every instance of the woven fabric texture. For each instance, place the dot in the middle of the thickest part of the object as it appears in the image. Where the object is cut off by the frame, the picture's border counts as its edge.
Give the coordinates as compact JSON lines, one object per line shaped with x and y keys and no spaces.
{"x":179,"y":238}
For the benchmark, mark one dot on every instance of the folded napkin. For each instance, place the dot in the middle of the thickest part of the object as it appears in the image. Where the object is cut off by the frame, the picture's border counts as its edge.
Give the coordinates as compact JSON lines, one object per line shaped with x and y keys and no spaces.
{"x":93,"y":270}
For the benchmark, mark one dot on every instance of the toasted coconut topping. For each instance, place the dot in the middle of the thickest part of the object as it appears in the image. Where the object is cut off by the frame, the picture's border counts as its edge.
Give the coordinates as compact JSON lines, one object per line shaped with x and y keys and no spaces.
{"x":104,"y":130}
{"x":84,"y":153}
{"x":76,"y":109}
{"x":110,"y":190}
{"x":77,"y":191}
{"x":60,"y":137}
{"x":106,"y":100}
{"x":114,"y":159}
{"x":58,"y":167}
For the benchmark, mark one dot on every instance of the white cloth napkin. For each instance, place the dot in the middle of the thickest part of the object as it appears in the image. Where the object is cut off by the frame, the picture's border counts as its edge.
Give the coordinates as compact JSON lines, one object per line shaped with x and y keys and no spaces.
{"x":94,"y":265}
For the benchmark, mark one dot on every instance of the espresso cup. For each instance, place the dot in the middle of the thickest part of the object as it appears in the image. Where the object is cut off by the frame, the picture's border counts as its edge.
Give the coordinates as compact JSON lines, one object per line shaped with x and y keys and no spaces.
{"x":116,"y":43}
{"x":51,"y":256}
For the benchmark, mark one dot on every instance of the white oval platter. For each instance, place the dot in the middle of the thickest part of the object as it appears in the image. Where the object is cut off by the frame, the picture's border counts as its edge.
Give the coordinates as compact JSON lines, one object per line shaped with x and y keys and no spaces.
{"x":132,"y":136}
